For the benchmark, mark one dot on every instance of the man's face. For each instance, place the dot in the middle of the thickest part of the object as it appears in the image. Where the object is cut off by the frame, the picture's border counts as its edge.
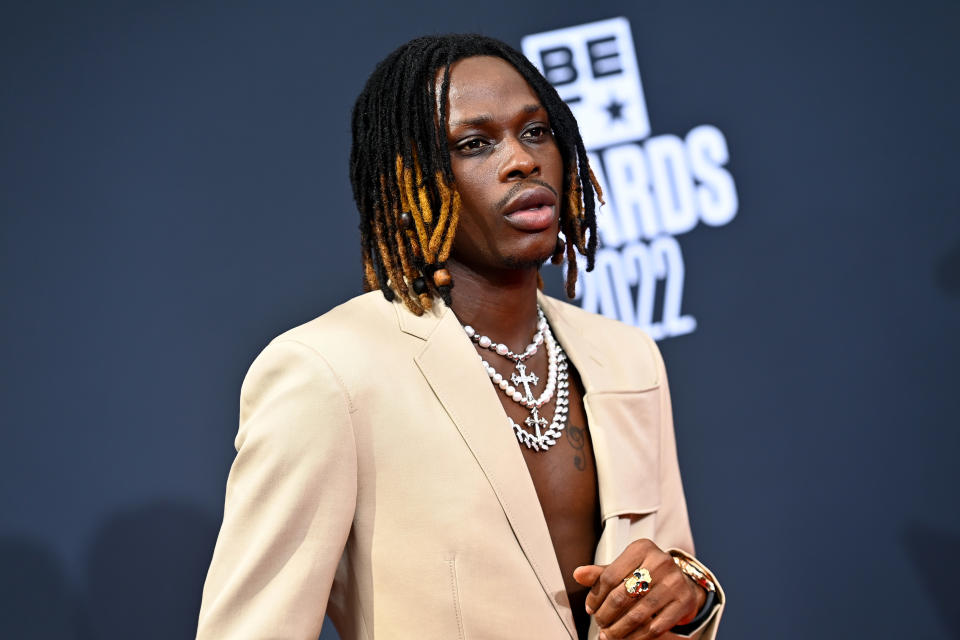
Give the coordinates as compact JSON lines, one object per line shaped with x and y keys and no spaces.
{"x":507,"y":167}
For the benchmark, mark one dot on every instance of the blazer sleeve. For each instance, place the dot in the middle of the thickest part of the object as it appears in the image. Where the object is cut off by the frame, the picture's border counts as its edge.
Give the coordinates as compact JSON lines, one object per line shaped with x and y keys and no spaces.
{"x":290,"y":500}
{"x":673,"y":524}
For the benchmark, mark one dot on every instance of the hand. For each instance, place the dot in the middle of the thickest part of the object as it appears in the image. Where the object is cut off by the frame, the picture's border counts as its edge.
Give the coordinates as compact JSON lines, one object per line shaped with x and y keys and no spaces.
{"x":672,"y":599}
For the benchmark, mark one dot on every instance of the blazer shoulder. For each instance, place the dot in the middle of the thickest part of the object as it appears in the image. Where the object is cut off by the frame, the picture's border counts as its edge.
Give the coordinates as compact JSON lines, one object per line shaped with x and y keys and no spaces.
{"x":615,"y":340}
{"x":592,"y":321}
{"x":360,"y":336}
{"x":356,"y":321}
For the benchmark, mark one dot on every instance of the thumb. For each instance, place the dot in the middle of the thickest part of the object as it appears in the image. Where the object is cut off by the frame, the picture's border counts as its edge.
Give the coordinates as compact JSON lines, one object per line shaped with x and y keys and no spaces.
{"x":587,"y":574}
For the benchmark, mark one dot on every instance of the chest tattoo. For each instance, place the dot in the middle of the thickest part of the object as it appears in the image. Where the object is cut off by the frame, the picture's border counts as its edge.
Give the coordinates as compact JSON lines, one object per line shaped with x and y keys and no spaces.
{"x":576,"y":438}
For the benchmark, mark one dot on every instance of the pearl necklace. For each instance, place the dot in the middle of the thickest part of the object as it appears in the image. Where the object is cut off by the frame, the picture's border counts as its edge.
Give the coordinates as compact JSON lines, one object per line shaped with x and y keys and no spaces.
{"x":544,"y":434}
{"x":504,"y":350}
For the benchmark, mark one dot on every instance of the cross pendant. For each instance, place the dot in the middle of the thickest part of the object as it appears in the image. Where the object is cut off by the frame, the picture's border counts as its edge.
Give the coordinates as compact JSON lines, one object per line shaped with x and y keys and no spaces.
{"x":524,"y":378}
{"x":535,"y":421}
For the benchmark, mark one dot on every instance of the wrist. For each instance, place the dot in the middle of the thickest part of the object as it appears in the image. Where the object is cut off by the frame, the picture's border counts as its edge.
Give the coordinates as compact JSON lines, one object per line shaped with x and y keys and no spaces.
{"x":707,"y":594}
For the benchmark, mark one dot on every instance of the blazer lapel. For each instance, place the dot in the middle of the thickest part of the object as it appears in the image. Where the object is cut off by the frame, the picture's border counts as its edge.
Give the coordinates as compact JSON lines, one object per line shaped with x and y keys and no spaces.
{"x":625,"y":449}
{"x":584,"y":355}
{"x":452,"y":368}
{"x":581,"y":349}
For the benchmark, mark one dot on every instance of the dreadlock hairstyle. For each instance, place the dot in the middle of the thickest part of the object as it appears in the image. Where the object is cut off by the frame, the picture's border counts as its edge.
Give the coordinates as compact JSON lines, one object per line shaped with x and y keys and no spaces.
{"x":402,"y":181}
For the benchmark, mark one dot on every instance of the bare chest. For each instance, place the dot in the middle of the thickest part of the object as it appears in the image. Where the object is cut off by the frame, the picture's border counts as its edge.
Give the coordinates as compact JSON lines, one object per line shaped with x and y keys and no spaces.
{"x":565,"y":480}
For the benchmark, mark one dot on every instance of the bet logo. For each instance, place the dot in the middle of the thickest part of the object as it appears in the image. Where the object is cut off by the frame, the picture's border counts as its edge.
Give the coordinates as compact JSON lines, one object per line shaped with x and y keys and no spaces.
{"x":656,"y":187}
{"x":594,"y":69}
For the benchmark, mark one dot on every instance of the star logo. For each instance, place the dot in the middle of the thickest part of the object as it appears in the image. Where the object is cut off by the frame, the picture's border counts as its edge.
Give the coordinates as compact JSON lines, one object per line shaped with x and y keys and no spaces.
{"x":615,"y":109}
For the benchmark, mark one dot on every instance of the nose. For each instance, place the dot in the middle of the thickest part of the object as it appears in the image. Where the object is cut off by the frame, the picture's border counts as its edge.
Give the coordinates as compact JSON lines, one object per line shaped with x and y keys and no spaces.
{"x":518,"y":162}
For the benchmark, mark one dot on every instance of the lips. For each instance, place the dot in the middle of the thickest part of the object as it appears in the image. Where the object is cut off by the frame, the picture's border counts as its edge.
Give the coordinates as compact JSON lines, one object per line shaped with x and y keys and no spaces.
{"x":532,"y":210}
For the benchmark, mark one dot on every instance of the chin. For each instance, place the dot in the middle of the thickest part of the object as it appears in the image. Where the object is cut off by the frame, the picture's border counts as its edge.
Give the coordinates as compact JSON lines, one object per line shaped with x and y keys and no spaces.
{"x":535,"y":248}
{"x":529,"y":259}
{"x":517,"y":263}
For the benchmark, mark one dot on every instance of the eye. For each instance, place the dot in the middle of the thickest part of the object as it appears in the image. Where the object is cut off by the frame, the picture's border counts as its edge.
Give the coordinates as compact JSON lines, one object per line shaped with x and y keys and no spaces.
{"x":473,"y":144}
{"x":536,"y":132}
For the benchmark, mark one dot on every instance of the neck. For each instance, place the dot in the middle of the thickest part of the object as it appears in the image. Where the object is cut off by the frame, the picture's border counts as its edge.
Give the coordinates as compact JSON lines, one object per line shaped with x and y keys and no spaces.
{"x":502,"y":305}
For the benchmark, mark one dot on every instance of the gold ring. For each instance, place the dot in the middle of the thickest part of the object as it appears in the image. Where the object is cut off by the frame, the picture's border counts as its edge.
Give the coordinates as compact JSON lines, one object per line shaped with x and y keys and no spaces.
{"x":637,"y":583}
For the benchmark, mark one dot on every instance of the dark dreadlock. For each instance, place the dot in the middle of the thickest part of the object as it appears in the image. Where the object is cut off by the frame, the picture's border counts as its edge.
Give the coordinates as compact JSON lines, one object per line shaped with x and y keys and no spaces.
{"x":402,"y":180}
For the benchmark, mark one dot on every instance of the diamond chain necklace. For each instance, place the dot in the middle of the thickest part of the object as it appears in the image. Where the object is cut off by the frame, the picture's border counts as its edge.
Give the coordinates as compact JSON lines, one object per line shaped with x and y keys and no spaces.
{"x":539,"y":434}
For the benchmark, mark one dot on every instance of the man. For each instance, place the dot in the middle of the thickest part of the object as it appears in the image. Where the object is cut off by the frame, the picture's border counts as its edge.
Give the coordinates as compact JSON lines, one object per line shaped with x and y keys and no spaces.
{"x":468,"y":461}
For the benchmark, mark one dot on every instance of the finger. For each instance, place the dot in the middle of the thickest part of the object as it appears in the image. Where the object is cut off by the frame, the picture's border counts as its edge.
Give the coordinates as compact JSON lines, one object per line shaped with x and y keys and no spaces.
{"x":637,"y":616}
{"x":660,"y":623}
{"x":676,"y":605}
{"x":587,"y":574}
{"x":620,"y":604}
{"x":668,"y":585}
{"x":611,"y":578}
{"x":616,"y":600}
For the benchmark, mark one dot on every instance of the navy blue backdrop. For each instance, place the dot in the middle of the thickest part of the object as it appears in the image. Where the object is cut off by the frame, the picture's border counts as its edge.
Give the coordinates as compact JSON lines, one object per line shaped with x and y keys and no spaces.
{"x":173,"y":191}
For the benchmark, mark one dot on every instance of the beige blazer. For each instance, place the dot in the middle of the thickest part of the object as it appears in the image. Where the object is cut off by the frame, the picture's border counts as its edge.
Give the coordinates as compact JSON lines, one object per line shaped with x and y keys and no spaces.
{"x":377,"y":481}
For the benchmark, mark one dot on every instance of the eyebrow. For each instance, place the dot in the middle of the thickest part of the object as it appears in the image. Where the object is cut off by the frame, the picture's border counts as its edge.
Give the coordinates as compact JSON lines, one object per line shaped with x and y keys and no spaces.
{"x":486,"y":118}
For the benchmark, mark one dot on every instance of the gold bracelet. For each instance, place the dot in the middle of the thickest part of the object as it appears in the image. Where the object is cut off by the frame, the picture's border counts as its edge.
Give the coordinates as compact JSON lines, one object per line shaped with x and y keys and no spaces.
{"x":693,"y":570}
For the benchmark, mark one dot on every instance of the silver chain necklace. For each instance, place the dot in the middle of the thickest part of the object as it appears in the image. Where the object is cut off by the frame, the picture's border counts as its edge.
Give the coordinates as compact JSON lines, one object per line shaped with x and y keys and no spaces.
{"x":538,"y":434}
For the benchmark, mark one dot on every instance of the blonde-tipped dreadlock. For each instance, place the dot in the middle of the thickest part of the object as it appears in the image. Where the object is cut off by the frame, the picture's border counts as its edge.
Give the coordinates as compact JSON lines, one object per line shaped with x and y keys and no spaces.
{"x":402,"y":180}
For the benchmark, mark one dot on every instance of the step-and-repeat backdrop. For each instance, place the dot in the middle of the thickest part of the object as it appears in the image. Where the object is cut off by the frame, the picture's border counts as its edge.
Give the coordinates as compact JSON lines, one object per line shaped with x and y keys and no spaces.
{"x":781,"y":214}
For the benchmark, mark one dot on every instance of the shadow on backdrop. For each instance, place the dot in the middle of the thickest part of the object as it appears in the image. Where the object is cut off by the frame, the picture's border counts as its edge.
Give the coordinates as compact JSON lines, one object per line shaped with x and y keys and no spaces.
{"x":37,"y":601}
{"x":145,"y":572}
{"x":936,"y":557}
